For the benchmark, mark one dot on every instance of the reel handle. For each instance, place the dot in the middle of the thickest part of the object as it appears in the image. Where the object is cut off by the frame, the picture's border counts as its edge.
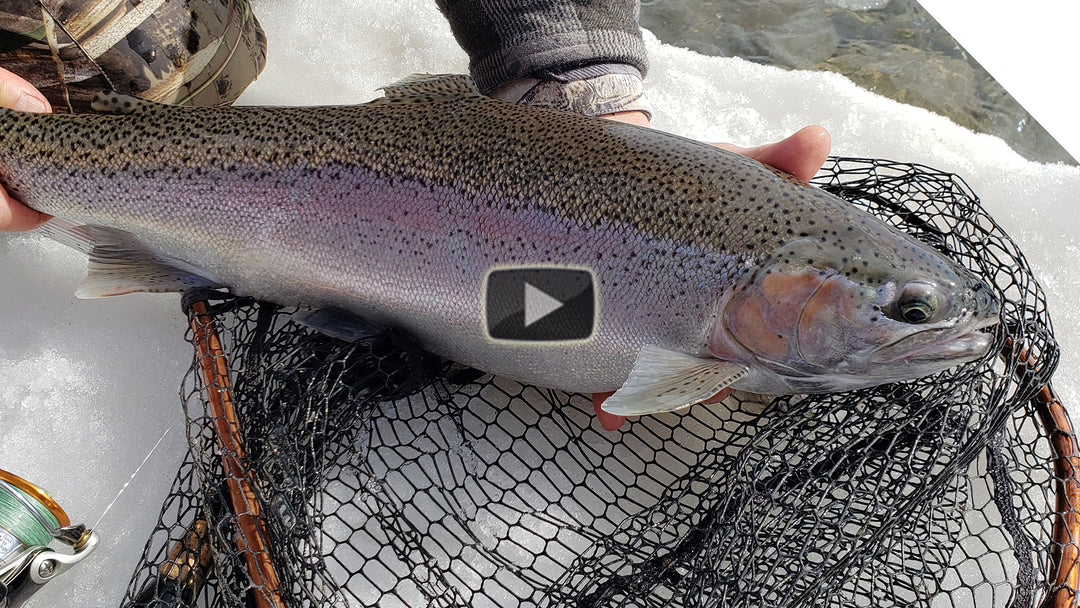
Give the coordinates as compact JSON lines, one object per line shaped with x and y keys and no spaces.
{"x":49,"y":564}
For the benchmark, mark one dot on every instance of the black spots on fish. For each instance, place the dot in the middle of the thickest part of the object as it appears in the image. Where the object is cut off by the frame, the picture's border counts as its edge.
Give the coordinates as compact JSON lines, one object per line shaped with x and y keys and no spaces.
{"x":572,"y":170}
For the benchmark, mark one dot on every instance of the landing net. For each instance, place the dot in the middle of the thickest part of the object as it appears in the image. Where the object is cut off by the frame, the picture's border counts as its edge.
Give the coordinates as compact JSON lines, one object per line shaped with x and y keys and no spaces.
{"x":322,"y":473}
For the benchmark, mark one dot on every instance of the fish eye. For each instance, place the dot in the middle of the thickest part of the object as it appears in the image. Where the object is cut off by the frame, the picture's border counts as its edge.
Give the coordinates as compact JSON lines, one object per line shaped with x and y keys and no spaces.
{"x":917,"y":302}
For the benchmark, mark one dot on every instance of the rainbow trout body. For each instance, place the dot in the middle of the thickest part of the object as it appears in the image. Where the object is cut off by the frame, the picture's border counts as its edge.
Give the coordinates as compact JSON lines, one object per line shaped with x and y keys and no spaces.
{"x":710,"y":269}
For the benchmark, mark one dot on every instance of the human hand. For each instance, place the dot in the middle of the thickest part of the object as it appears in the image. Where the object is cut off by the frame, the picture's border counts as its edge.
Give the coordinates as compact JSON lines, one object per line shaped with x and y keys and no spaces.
{"x":801,"y":155}
{"x":20,"y":95}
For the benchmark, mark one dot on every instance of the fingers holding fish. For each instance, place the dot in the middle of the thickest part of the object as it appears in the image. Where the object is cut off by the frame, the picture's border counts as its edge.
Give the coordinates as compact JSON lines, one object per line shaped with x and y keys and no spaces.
{"x":612,"y":422}
{"x":633,"y":117}
{"x":18,"y":94}
{"x":15,"y":216}
{"x":801,"y":154}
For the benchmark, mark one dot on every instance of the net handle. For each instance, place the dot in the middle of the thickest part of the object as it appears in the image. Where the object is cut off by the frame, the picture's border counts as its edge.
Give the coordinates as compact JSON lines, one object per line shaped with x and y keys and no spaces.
{"x":252,"y":540}
{"x":1065,"y":551}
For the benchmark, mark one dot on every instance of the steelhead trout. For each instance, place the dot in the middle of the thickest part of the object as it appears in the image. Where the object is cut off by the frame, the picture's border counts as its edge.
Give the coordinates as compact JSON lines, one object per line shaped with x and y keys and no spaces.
{"x":700,"y":269}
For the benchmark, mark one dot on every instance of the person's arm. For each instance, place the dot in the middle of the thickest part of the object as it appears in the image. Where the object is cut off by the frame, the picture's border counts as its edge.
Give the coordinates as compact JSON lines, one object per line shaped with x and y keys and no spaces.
{"x":586,"y":57}
{"x":581,"y":57}
{"x":508,"y":40}
{"x":20,"y":95}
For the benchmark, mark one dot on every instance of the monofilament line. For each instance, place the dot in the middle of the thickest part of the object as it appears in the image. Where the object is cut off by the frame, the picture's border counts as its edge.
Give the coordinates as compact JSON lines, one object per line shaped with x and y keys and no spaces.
{"x":128,"y":482}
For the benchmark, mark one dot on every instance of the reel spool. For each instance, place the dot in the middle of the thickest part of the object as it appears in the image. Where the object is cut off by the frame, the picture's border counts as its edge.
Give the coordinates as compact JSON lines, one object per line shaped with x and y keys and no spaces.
{"x":29,"y":521}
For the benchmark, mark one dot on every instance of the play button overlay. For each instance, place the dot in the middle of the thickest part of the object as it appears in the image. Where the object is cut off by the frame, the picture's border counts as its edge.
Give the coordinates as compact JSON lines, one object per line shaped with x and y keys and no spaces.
{"x":539,"y":304}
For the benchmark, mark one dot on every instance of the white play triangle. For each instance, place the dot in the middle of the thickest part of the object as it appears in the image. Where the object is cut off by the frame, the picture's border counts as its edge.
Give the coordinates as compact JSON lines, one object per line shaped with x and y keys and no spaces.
{"x":538,"y":304}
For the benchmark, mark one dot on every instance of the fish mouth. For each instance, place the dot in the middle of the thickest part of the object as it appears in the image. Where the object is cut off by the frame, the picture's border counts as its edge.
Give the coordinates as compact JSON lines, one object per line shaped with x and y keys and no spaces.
{"x":946,"y":344}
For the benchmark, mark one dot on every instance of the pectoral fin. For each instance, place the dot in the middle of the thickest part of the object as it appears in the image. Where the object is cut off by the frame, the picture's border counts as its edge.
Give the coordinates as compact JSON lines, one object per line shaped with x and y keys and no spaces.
{"x":338,"y":323}
{"x":120,"y":263}
{"x":664,"y":381}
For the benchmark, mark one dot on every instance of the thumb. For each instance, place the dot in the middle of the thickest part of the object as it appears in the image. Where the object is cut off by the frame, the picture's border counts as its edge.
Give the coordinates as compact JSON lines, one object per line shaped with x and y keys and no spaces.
{"x":18,"y":94}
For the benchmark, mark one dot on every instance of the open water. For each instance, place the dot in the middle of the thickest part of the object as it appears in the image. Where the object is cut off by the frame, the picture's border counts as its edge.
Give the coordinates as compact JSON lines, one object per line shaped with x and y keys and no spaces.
{"x":891,"y":47}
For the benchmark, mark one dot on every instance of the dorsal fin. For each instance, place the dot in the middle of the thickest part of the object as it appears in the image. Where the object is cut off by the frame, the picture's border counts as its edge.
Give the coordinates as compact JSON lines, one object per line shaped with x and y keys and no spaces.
{"x":431,"y":87}
{"x":115,"y":102}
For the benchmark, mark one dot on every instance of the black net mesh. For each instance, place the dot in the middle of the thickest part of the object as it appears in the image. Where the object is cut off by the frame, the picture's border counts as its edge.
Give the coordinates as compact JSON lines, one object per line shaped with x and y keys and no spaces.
{"x":372,"y":474}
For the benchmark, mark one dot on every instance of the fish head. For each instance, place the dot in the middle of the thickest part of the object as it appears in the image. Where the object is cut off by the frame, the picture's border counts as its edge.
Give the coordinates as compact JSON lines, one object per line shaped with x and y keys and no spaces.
{"x":825,"y":313}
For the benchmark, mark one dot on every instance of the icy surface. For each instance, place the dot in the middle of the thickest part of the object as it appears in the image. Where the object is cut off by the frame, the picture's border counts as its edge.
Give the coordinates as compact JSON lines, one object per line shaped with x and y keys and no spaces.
{"x":88,"y":387}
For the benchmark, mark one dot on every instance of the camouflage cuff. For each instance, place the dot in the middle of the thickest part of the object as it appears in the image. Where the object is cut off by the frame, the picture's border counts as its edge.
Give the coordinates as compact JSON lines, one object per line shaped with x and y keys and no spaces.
{"x":594,"y":96}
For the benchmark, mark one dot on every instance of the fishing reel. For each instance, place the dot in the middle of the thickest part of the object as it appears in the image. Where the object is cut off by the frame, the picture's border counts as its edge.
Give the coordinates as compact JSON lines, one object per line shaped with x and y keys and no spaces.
{"x":30,"y":520}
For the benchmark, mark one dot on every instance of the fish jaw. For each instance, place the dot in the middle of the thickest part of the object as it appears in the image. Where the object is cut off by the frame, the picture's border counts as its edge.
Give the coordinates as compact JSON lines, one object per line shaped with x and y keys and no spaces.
{"x":965,"y":341}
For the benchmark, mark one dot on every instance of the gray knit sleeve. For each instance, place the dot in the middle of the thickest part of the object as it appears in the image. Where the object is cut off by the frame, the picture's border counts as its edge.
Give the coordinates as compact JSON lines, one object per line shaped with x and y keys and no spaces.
{"x":508,"y":39}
